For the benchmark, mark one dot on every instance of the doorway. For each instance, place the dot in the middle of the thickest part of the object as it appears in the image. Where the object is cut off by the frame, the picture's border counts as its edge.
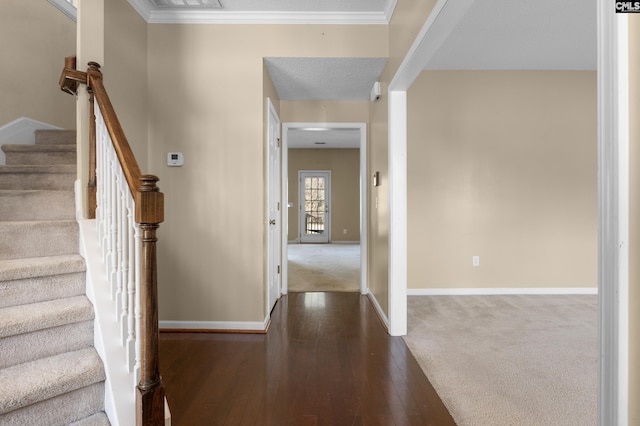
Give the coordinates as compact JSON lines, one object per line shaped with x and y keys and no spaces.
{"x":290,"y":198}
{"x":314,"y":205}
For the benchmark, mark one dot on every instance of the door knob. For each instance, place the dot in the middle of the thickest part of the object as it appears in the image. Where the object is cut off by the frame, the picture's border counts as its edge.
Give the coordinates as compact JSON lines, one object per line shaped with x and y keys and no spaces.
{"x":272,"y":222}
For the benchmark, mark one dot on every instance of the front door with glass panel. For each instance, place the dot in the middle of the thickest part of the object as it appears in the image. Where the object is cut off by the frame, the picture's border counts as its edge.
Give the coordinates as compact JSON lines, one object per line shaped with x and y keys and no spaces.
{"x":314,"y":206}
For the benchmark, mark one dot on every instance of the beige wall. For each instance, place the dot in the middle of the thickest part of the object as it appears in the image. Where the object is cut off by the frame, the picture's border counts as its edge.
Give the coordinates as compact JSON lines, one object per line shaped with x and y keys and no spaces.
{"x":325,"y":111}
{"x":125,"y":73}
{"x":502,"y":165}
{"x":112,"y":34}
{"x":408,"y":18}
{"x":210,"y":106}
{"x":344,"y":165}
{"x":634,"y":214}
{"x":35,"y":37}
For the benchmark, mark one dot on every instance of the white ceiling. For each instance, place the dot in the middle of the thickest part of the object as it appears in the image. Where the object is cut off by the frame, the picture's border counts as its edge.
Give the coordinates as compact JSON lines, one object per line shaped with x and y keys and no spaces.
{"x":491,"y":35}
{"x":522,"y":35}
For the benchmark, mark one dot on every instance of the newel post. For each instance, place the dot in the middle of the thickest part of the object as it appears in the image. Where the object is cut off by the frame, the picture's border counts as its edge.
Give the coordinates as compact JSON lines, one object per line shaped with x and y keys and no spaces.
{"x":93,"y":71}
{"x":150,"y":391}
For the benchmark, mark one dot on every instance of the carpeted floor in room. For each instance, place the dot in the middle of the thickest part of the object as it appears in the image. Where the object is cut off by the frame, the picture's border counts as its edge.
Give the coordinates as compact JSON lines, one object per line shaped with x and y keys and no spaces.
{"x":509,"y":360}
{"x":324,"y":267}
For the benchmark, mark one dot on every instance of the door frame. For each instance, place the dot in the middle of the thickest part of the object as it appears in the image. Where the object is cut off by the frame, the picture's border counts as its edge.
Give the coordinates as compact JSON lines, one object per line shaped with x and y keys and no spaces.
{"x":327,"y":222}
{"x":364,"y":283}
{"x":272,"y":255}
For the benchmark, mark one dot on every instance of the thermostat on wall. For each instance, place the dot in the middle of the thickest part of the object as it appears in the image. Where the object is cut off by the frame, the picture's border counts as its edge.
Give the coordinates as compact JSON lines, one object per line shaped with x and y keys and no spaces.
{"x":175,"y":159}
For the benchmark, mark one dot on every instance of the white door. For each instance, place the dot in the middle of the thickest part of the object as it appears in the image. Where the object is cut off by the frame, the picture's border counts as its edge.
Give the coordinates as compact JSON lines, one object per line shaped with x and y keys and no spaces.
{"x":314,"y":206}
{"x":274,"y":212}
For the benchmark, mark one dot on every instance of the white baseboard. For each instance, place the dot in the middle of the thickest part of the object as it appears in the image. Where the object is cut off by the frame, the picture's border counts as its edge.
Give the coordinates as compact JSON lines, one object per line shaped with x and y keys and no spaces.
{"x":500,"y":291}
{"x":345,"y":242}
{"x":379,"y":311}
{"x":242,"y":326}
{"x":21,"y":131}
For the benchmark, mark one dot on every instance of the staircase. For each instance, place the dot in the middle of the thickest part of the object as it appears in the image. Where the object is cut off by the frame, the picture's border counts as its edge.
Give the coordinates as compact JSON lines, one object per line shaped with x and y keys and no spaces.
{"x":50,"y":374}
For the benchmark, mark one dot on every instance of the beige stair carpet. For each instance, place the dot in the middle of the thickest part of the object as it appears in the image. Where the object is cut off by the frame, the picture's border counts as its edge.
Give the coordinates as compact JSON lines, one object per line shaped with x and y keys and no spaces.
{"x":50,"y":373}
{"x":324,"y":267}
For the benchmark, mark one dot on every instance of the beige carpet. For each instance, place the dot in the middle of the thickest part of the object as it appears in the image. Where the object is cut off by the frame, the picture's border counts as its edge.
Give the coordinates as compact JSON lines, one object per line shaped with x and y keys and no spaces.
{"x":324,"y":267}
{"x":509,"y":360}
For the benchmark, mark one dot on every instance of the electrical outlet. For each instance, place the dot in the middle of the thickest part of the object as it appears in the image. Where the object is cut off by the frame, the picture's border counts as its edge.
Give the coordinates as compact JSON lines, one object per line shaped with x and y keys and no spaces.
{"x":344,"y":231}
{"x":475,"y":260}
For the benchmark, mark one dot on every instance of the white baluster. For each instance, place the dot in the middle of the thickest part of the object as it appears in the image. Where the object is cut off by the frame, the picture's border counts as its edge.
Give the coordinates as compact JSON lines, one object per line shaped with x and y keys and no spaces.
{"x":138,"y":255}
{"x":131,"y":291}
{"x":119,"y":237}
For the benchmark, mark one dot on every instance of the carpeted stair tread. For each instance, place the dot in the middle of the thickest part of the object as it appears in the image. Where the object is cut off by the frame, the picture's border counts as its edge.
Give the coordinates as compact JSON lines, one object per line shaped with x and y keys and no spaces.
{"x":15,"y":269}
{"x":38,"y":169}
{"x":55,"y":137}
{"x":28,"y":154}
{"x":71,"y":408}
{"x":31,"y":280}
{"x":98,"y":419}
{"x":37,"y":204}
{"x":38,"y":238}
{"x":9,"y":148}
{"x":37,"y":177}
{"x":44,"y":343}
{"x":39,"y":380}
{"x":37,"y":316}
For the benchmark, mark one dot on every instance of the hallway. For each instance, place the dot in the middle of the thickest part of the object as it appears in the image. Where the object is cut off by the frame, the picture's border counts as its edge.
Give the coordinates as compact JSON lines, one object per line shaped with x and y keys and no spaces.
{"x":326,"y":360}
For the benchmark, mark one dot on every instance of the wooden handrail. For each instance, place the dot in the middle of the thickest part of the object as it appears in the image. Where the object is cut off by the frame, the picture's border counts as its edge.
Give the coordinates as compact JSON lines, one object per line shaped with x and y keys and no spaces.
{"x":149,"y":213}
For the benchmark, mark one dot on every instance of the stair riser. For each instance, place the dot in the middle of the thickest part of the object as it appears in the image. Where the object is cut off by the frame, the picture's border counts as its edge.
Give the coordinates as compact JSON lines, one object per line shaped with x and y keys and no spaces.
{"x":30,"y":181}
{"x":55,"y":137}
{"x":60,"y":410}
{"x":36,"y":239}
{"x":44,"y":343}
{"x":37,"y":158}
{"x":40,"y":289}
{"x":37,"y":205}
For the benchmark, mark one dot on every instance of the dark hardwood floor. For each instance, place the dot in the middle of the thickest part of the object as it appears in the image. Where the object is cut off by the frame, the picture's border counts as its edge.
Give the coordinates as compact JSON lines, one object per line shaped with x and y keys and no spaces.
{"x":326,"y":360}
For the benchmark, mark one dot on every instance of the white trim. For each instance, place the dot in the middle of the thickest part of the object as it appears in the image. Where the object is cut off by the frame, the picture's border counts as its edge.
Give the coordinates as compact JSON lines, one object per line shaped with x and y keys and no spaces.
{"x":203,"y":16}
{"x":378,"y":308}
{"x":397,"y":213}
{"x":216,"y":325}
{"x":67,"y":8}
{"x":613,"y":214}
{"x":273,"y":259}
{"x":364,"y":200}
{"x":21,"y":131}
{"x":441,"y":21}
{"x":500,"y":291}
{"x":364,"y":284}
{"x":119,"y":386}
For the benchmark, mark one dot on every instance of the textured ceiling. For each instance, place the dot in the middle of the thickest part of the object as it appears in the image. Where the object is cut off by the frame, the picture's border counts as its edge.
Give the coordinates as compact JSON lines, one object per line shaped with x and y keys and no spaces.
{"x":324,"y":78}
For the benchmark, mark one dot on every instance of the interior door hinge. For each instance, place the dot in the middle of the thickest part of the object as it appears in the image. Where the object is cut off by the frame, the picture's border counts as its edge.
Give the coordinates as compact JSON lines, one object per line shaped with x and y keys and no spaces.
{"x":278,"y":142}
{"x":278,"y":268}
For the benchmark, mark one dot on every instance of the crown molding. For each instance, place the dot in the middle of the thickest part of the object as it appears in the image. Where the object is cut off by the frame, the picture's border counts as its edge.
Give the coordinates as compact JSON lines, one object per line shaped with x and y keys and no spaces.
{"x":154,"y":15}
